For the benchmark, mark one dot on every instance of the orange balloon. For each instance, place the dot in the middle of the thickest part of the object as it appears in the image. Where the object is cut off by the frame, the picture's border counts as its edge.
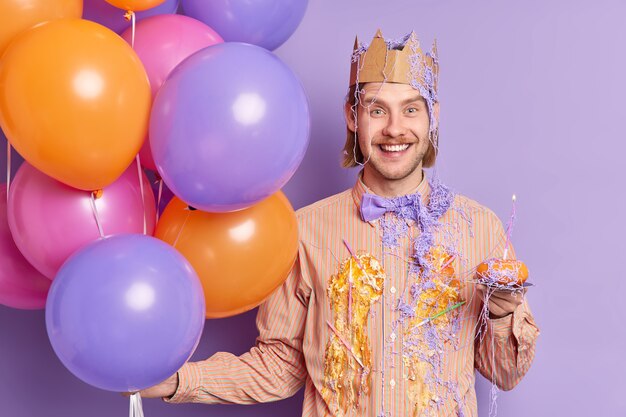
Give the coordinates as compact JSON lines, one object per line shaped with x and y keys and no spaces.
{"x":19,"y":15}
{"x":74,"y":101}
{"x":135,"y":5}
{"x":241,"y":257}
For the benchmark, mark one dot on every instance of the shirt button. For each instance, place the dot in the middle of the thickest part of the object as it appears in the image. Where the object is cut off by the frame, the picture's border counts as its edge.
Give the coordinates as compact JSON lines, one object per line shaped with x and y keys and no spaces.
{"x":392,"y":290}
{"x":393,"y":336}
{"x":392,"y":383}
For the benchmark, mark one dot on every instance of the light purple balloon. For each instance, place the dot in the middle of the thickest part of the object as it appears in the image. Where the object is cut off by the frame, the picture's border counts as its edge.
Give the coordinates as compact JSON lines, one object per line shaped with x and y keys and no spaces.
{"x":100,"y":11}
{"x":125,"y":312}
{"x":229,"y":127}
{"x":266,"y":23}
{"x":50,"y":220}
{"x":21,"y":285}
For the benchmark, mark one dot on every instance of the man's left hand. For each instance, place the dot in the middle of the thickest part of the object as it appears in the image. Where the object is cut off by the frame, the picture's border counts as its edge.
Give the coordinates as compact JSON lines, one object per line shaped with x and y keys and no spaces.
{"x":502,"y":302}
{"x":165,"y":389}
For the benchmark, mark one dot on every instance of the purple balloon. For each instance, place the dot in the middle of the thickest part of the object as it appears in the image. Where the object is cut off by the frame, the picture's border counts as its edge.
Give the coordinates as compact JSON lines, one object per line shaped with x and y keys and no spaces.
{"x":229,"y":127}
{"x":125,"y":312}
{"x":21,"y":285}
{"x":50,"y":220}
{"x":100,"y":11}
{"x":266,"y":23}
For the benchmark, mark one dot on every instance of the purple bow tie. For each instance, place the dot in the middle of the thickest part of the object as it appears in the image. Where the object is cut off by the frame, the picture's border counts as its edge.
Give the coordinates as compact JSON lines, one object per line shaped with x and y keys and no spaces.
{"x":374,"y":207}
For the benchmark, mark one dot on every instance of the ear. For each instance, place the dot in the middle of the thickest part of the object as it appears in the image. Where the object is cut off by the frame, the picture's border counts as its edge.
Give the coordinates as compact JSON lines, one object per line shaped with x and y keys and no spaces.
{"x":436,"y":114}
{"x":349,"y":115}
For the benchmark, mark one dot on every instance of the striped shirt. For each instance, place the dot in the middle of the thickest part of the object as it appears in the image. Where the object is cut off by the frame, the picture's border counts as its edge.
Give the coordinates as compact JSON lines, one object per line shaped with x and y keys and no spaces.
{"x":295,"y":324}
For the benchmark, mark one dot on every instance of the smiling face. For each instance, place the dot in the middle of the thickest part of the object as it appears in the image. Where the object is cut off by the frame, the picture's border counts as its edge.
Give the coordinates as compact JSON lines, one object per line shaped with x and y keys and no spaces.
{"x":393,"y":133}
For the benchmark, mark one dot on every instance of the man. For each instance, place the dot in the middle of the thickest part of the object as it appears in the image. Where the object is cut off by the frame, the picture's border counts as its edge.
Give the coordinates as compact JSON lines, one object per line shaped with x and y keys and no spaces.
{"x":381,"y":314}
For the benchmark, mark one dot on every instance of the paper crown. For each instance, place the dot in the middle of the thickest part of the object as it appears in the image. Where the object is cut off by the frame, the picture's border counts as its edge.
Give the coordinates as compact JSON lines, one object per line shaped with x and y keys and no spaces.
{"x":396,"y":61}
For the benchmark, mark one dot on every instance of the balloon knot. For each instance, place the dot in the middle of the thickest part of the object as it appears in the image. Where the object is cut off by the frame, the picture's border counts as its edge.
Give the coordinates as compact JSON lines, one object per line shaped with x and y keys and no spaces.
{"x":97,"y":194}
{"x":129,"y":15}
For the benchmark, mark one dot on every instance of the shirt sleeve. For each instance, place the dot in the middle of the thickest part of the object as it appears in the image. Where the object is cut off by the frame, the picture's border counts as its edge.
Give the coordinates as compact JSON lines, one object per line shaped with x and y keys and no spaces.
{"x":272,"y":370}
{"x":504,"y":353}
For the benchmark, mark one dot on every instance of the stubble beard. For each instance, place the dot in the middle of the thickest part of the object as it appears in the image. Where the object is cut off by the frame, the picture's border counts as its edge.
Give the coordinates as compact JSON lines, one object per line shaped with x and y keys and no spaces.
{"x":389,"y":175}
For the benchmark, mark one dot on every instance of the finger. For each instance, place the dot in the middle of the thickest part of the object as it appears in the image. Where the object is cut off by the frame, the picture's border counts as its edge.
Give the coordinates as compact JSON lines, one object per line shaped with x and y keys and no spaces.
{"x":480,"y":290}
{"x":498,"y":311}
{"x":499,"y":306}
{"x":505,"y":297}
{"x":496,"y":303}
{"x":515,"y":296}
{"x":502,"y":306}
{"x":517,"y":291}
{"x":504,"y":300}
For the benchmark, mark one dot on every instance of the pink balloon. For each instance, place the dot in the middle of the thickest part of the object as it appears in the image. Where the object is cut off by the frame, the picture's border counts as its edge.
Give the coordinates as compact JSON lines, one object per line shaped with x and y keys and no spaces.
{"x":145,"y":155}
{"x":162,"y":42}
{"x":50,"y":221}
{"x":21,"y":285}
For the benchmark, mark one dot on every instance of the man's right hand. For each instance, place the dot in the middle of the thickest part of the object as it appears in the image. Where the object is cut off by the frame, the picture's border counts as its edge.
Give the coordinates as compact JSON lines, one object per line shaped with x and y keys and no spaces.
{"x":166,"y":389}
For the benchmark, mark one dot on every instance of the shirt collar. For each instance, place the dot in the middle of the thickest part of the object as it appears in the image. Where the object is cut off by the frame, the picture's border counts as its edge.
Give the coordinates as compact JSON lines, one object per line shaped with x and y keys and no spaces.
{"x":360,"y":188}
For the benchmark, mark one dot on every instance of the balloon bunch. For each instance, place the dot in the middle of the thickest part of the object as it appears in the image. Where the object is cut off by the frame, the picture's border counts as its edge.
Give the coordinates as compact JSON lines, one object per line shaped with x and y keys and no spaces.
{"x":266,"y":23}
{"x":224,"y":125}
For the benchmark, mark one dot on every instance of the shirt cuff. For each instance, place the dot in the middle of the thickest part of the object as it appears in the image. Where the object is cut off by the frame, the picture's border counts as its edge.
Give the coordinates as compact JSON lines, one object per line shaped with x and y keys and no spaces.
{"x":189,"y":381}
{"x":502,"y":327}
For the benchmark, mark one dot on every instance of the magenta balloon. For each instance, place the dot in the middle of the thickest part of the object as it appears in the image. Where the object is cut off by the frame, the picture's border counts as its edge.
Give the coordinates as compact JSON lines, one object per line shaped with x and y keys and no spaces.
{"x":145,"y":155}
{"x":100,"y":11}
{"x":125,"y":313}
{"x":229,"y":127}
{"x":50,"y":221}
{"x":162,"y":42}
{"x":21,"y":285}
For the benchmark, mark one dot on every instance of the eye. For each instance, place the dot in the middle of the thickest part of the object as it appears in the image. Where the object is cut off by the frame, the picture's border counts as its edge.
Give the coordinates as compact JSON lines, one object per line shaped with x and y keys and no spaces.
{"x":412,"y":110}
{"x":377,"y":112}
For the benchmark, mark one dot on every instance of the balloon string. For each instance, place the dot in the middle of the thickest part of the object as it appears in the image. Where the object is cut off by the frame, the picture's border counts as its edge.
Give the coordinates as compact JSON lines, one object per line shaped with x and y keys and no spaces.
{"x":8,"y":168}
{"x":130,"y":15}
{"x":159,"y":198}
{"x":180,"y":231}
{"x":132,"y":44}
{"x":143,"y":201}
{"x":136,"y":408}
{"x":95,"y":213}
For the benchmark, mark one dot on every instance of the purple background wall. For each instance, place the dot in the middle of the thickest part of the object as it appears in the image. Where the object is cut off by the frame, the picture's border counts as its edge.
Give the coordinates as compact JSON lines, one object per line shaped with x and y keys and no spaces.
{"x":532,"y":103}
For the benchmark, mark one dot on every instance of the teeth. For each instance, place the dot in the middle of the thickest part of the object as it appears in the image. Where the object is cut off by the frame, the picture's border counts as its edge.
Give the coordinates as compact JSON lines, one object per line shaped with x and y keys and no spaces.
{"x":394,"y":148}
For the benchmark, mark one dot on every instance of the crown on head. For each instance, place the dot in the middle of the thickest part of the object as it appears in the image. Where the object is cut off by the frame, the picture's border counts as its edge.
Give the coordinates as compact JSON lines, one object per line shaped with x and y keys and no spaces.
{"x":396,"y":61}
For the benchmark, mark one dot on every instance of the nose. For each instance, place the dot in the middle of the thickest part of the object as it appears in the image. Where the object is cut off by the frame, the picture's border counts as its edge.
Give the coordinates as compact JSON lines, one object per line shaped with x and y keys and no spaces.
{"x":394,"y":127}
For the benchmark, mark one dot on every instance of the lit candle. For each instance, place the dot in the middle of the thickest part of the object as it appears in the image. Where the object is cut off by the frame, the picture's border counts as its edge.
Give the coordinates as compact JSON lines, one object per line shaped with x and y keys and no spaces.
{"x":509,"y":229}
